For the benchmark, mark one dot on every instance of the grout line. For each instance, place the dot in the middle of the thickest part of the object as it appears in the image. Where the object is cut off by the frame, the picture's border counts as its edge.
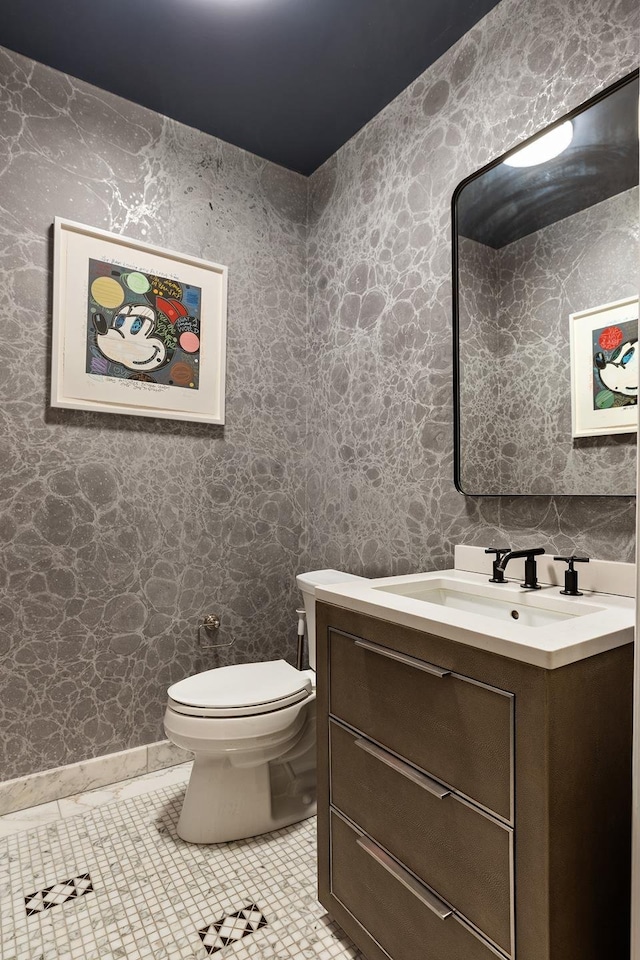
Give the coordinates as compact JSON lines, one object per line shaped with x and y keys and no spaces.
{"x":155,"y":779}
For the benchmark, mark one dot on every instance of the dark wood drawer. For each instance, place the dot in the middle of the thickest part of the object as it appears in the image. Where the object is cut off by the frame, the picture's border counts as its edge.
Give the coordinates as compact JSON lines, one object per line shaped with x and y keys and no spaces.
{"x":453,"y":728}
{"x":457,"y":850}
{"x":407,"y":921}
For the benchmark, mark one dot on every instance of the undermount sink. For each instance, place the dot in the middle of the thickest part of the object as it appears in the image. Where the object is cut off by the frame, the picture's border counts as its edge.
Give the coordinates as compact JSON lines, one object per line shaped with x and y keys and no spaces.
{"x":529,"y":609}
{"x":541,"y":627}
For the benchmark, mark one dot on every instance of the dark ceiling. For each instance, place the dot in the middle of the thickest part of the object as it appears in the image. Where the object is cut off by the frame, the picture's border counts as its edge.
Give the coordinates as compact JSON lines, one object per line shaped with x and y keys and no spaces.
{"x":502,"y":204}
{"x":289,"y":80}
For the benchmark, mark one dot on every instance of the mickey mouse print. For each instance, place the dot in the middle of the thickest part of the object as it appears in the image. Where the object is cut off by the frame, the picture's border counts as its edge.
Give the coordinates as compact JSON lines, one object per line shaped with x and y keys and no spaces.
{"x":604,"y":369}
{"x":137,"y":329}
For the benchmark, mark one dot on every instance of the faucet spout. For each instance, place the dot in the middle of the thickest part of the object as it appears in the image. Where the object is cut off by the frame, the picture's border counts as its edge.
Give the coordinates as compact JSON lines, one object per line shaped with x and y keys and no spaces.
{"x":530,"y":569}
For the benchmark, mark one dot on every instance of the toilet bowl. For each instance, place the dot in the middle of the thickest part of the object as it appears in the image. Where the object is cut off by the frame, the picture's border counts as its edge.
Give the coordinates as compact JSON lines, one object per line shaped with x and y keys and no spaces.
{"x":236,"y":789}
{"x":251,"y":728}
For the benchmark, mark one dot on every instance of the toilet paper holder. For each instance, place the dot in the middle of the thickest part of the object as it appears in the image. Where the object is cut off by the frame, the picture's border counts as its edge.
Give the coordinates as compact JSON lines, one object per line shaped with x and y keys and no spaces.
{"x":210,"y":624}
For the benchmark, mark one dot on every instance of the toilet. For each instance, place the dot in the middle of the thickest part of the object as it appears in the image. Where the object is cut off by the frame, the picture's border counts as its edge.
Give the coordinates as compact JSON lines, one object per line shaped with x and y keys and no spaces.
{"x":252,"y":730}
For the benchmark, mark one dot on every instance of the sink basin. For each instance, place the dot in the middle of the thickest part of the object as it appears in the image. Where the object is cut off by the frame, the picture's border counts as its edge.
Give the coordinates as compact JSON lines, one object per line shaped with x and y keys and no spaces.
{"x":528,"y":610}
{"x":540,"y":627}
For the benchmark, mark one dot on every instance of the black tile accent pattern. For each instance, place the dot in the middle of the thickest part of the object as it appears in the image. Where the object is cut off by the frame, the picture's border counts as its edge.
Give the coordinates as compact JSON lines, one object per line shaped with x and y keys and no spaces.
{"x":58,"y":893}
{"x":232,"y":928}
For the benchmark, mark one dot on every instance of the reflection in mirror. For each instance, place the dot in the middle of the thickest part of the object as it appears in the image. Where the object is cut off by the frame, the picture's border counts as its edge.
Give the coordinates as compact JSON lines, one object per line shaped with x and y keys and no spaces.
{"x":534,"y":244}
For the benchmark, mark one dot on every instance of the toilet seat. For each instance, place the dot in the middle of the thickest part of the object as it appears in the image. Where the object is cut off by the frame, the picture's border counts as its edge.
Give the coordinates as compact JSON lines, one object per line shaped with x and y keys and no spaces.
{"x":242,"y":690}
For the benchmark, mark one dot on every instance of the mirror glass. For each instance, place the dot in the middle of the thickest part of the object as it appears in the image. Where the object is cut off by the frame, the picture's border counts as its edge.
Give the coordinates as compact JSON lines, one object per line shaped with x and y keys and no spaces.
{"x":545,"y":309}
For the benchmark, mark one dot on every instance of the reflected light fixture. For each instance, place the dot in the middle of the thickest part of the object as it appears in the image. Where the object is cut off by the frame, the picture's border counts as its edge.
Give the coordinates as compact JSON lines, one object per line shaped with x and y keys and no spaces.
{"x":546,"y":147}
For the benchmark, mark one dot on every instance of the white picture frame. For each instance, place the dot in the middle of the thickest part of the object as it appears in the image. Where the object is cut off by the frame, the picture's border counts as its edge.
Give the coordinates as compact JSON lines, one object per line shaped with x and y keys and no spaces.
{"x":600,"y":335}
{"x":137,"y":329}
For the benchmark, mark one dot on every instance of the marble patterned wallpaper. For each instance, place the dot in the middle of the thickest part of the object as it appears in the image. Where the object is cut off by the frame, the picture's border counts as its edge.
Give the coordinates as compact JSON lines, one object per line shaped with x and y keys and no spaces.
{"x":118,"y":533}
{"x":381,"y":496}
{"x":515,"y":353}
{"x":481,"y":425}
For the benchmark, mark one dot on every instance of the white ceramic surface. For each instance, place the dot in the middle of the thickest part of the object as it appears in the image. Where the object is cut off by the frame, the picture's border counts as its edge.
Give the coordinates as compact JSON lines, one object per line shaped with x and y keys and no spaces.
{"x":609,"y":622}
{"x":240,"y":690}
{"x":531,"y":609}
{"x":307,"y":584}
{"x":250,"y":775}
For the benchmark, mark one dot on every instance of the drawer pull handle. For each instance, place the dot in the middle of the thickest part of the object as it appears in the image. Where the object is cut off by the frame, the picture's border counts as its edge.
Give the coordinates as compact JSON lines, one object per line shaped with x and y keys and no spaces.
{"x":432,"y":786}
{"x":403,"y":658}
{"x":440,"y":909}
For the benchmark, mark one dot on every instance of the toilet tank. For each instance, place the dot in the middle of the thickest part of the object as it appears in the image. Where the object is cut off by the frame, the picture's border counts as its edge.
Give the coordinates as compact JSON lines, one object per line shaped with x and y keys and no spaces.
{"x":307,"y":583}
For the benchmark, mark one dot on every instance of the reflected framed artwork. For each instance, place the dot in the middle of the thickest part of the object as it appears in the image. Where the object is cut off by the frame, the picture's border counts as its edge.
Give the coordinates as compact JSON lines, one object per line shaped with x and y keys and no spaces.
{"x":604,"y":369}
{"x":137,"y":329}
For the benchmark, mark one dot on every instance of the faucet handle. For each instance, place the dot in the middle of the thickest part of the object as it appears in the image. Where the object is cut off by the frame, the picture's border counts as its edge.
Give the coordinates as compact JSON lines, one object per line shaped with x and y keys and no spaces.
{"x":500,"y":552}
{"x":571,"y":575}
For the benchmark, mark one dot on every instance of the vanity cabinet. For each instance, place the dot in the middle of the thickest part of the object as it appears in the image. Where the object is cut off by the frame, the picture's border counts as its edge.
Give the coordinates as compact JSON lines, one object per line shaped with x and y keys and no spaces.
{"x":471,"y":806}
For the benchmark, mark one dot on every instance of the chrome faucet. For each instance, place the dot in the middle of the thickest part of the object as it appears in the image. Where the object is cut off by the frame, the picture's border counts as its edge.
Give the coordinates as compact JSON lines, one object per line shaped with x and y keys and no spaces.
{"x":530,"y":569}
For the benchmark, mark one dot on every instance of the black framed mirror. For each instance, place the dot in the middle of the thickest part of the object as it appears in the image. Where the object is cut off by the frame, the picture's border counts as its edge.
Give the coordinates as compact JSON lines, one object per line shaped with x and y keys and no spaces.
{"x":545,"y":251}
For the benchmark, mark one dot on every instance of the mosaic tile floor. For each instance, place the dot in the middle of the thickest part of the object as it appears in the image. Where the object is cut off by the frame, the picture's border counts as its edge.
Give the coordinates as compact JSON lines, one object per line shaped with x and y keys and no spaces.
{"x":116,"y":882}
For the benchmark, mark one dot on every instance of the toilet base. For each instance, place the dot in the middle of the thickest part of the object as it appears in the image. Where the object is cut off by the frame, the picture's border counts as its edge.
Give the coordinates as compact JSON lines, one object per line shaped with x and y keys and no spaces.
{"x":226,"y":803}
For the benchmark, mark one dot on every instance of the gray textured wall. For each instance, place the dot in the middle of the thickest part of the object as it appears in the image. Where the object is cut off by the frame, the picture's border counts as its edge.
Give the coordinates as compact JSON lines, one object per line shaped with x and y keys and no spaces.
{"x":481,"y":431}
{"x":381,"y":494}
{"x":118,"y":533}
{"x":514,"y":353}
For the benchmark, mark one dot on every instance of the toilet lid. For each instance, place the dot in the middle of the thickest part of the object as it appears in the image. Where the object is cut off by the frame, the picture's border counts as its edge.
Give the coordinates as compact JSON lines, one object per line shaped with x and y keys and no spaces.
{"x":241,"y":690}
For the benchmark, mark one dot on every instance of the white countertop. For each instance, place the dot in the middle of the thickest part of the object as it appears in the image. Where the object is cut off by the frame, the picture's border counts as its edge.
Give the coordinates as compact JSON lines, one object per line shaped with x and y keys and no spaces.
{"x":608,"y":624}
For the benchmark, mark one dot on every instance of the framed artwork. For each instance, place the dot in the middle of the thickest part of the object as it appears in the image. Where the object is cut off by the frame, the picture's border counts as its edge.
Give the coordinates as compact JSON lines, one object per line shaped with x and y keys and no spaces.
{"x":137,"y":329}
{"x":604,"y":369}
